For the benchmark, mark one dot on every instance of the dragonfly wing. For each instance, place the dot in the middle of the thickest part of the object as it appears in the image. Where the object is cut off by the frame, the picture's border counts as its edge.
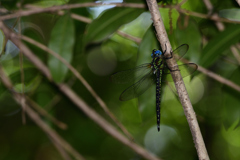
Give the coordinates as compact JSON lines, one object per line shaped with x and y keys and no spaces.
{"x":185,"y":70}
{"x":131,"y":75}
{"x":138,"y":88}
{"x":179,"y":52}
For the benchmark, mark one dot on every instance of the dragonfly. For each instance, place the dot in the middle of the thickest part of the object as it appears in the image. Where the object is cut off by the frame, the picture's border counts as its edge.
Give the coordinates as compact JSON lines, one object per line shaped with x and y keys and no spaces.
{"x":156,"y":72}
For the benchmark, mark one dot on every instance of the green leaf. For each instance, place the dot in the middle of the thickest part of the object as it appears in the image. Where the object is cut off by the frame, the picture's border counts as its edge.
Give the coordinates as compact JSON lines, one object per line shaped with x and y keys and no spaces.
{"x":2,"y":40}
{"x":9,"y":4}
{"x":109,"y":22}
{"x":148,"y":99}
{"x":231,"y":14}
{"x":170,"y":17}
{"x":231,"y":135}
{"x":194,"y":51}
{"x":221,"y":42}
{"x":148,"y":43}
{"x":231,"y":101}
{"x":130,"y":112}
{"x":61,"y":42}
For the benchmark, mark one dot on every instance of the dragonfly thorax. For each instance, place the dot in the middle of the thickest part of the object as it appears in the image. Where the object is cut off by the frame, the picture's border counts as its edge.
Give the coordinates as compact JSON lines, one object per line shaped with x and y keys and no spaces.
{"x":156,"y":64}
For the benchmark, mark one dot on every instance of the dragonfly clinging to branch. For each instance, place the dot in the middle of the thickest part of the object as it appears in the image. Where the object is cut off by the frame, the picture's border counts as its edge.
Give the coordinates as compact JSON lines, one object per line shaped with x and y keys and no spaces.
{"x":156,"y":72}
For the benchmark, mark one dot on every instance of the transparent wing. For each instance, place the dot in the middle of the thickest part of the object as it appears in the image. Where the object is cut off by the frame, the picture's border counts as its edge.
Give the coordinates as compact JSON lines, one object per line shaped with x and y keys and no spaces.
{"x":185,"y":70}
{"x":179,"y":52}
{"x":131,"y":75}
{"x":138,"y":88}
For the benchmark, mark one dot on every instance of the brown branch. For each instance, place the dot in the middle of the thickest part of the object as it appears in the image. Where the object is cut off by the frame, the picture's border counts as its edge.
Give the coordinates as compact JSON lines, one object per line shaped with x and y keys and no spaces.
{"x":38,"y":63}
{"x":103,"y":123}
{"x":201,"y":15}
{"x":37,"y":10}
{"x":60,"y":12}
{"x":81,"y":79}
{"x":238,"y":1}
{"x":68,"y":6}
{"x":35,"y":117}
{"x":179,"y":84}
{"x":79,"y":102}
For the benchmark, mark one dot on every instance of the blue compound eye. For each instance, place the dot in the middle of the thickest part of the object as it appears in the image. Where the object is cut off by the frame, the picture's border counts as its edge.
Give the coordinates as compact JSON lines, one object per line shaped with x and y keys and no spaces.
{"x":157,"y":53}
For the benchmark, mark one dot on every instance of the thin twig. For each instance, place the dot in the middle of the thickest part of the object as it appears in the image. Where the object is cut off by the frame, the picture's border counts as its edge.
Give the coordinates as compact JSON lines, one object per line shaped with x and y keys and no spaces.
{"x":179,"y":84}
{"x":38,"y":63}
{"x":130,"y":37}
{"x":79,"y":102}
{"x":61,"y":150}
{"x":129,"y":5}
{"x":221,"y":27}
{"x":81,"y":79}
{"x":204,"y":16}
{"x":216,"y":77}
{"x":67,"y":6}
{"x":103,"y":123}
{"x":209,"y":6}
{"x":57,"y":97}
{"x":88,"y":20}
{"x":35,"y":117}
{"x":53,"y":102}
{"x":235,"y":53}
{"x":42,"y":112}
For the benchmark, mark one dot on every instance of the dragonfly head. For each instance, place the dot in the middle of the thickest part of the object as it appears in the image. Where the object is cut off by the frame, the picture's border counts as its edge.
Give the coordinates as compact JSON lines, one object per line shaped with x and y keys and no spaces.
{"x":156,"y":53}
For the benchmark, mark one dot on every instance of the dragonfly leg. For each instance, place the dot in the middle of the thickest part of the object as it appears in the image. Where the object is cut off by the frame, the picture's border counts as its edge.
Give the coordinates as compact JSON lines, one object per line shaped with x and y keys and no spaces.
{"x":165,"y":52}
{"x":165,"y":49}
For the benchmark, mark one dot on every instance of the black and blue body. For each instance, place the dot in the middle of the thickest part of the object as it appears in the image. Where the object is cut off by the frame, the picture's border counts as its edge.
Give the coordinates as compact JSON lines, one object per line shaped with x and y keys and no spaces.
{"x":157,"y":65}
{"x":145,"y":75}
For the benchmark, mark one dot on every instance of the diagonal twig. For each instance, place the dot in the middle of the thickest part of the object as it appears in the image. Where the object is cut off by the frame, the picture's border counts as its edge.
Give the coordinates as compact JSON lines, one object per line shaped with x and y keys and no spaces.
{"x":81,"y":79}
{"x":35,"y":117}
{"x":41,"y":111}
{"x":216,"y":77}
{"x":75,"y":99}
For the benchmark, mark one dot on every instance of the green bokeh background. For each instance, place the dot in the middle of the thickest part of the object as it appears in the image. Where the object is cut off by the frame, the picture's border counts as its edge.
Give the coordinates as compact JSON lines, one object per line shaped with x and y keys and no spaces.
{"x":96,"y":50}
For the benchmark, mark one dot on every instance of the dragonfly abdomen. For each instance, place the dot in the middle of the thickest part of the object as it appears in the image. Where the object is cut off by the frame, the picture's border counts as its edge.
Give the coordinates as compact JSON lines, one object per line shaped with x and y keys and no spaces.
{"x":158,"y":96}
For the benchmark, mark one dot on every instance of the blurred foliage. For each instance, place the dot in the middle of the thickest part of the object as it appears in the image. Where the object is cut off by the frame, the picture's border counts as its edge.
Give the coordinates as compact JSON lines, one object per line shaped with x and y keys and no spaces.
{"x":96,"y":50}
